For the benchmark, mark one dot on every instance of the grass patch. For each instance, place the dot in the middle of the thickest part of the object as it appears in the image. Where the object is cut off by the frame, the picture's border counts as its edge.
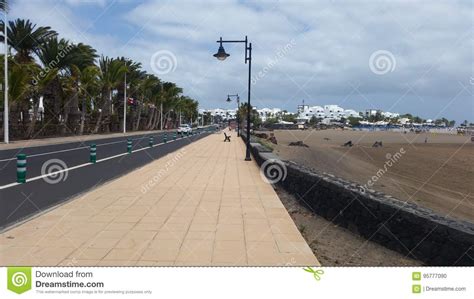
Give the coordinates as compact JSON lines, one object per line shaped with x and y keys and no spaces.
{"x":265,"y":143}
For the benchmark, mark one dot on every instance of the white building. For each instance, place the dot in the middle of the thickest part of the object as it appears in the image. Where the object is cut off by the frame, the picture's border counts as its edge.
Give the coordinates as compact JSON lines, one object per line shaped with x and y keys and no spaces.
{"x":351,"y":113}
{"x":223,"y":113}
{"x":404,"y":121}
{"x":266,"y":113}
{"x":305,"y":112}
{"x":390,"y":114}
{"x":329,"y":112}
{"x":333,"y":112}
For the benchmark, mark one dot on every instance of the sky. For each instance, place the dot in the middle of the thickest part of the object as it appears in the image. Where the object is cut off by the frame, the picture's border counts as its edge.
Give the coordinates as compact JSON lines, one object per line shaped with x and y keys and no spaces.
{"x":398,"y":56}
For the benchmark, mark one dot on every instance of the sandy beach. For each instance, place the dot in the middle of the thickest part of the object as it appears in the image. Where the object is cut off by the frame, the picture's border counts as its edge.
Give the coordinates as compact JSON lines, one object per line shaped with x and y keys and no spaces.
{"x":432,"y":170}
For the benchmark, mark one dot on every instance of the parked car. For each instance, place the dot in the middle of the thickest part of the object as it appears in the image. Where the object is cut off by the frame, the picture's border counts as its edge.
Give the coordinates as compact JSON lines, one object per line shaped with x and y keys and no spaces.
{"x":185,"y":129}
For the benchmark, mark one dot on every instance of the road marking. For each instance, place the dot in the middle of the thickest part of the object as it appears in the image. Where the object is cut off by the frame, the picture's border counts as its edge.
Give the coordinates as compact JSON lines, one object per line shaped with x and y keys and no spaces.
{"x":73,"y":149}
{"x":83,"y":165}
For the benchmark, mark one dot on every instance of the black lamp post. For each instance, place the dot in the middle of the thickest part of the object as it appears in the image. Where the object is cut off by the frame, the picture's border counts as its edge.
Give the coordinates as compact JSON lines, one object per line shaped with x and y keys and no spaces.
{"x":237,"y":114}
{"x":222,"y":55}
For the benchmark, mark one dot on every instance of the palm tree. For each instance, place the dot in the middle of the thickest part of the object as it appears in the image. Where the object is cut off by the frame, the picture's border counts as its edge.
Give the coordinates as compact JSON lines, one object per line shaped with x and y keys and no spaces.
{"x":89,"y":87}
{"x":188,"y":108}
{"x":25,"y":38}
{"x":81,"y":57}
{"x":134,"y":77}
{"x":111,"y":73}
{"x":69,"y":59}
{"x":147,"y":90}
{"x":153,"y":101}
{"x":36,"y":91}
{"x":3,"y":5}
{"x":170,"y":95}
{"x":49,"y":54}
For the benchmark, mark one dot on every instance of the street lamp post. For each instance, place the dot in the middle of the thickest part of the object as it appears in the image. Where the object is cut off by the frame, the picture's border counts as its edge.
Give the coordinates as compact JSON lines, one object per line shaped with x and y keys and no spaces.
{"x":222,"y":55}
{"x":237,"y":114}
{"x":6,"y":134}
{"x":125,"y":104}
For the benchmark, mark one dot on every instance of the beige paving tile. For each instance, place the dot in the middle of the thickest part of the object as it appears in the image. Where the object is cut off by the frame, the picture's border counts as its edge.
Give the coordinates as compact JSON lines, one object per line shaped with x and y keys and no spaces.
{"x":78,"y":263}
{"x":197,"y":252}
{"x":230,"y":245}
{"x":164,"y":254}
{"x":124,"y":254}
{"x":102,"y":242}
{"x":120,"y":226}
{"x":167,"y":235}
{"x":200,"y":235}
{"x":112,"y":234}
{"x":203,"y":227}
{"x":89,"y":253}
{"x":114,"y":263}
{"x":293,"y":247}
{"x":229,"y":258}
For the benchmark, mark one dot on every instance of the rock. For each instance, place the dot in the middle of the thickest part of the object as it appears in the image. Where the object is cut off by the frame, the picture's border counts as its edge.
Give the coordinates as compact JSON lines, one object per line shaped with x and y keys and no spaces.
{"x":273,"y":140}
{"x":298,"y":143}
{"x":261,"y":135}
{"x":348,"y":143}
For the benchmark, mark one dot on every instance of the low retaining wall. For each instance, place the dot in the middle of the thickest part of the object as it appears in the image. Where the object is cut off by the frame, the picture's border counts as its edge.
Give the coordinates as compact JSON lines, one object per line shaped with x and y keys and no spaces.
{"x":405,"y":227}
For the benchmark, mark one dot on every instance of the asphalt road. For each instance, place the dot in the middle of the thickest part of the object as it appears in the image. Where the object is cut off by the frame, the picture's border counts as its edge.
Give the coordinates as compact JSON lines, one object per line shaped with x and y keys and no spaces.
{"x":73,"y":153}
{"x":24,"y":200}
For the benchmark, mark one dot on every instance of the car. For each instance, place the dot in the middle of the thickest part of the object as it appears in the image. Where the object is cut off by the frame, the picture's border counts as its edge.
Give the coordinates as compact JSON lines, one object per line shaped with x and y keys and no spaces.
{"x":185,"y":129}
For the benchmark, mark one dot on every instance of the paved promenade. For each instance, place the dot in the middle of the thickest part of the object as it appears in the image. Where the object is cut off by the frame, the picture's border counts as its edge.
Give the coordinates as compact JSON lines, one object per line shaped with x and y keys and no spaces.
{"x":201,"y":205}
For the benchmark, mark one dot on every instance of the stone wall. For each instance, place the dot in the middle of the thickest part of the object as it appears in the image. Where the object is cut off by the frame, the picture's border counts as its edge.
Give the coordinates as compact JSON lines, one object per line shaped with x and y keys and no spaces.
{"x":402,"y":226}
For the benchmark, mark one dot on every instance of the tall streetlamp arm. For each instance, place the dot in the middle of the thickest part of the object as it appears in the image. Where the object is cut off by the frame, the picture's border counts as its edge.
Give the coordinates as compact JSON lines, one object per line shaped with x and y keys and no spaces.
{"x":248,"y":47}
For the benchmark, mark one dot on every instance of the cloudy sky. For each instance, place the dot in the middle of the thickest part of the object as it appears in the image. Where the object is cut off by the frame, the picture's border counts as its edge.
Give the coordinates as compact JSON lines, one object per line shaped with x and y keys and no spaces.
{"x":399,"y":56}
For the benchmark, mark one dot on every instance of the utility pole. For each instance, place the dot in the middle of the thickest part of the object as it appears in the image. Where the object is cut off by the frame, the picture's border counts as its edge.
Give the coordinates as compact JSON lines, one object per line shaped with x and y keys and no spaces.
{"x":5,"y":111}
{"x":161,"y":116}
{"x":125,"y":105}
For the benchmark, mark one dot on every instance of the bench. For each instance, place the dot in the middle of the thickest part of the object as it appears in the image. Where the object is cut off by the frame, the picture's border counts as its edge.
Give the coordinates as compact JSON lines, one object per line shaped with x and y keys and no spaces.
{"x":226,"y":137}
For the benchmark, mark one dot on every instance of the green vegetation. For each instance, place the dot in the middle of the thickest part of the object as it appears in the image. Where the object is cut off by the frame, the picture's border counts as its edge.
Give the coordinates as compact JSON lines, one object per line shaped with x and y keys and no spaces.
{"x":271,"y":120}
{"x":82,"y":93}
{"x":289,"y":118}
{"x":265,"y":143}
{"x":255,"y":119}
{"x":314,"y":121}
{"x":353,"y":121}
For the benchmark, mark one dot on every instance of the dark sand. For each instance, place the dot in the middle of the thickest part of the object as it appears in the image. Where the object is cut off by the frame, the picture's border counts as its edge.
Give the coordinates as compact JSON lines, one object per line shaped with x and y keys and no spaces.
{"x":438,"y":174}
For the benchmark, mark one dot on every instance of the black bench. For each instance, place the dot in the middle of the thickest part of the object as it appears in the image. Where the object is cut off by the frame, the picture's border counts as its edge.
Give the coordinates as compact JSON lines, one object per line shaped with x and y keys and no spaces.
{"x":226,"y":137}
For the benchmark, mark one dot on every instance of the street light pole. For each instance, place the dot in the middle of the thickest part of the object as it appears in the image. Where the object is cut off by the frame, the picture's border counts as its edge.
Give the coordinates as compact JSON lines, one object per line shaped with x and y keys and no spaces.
{"x":237,"y":115}
{"x":222,"y":55}
{"x":125,"y":105}
{"x":161,"y":116}
{"x":6,"y":134}
{"x":247,"y":152}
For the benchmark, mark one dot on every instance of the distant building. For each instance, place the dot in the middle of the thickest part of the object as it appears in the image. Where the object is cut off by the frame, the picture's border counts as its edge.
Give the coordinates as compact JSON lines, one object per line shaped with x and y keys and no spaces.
{"x":329,"y":112}
{"x":326,"y":113}
{"x":390,"y":115}
{"x":225,"y":114}
{"x":266,"y":113}
{"x":352,"y":113}
{"x":372,"y":112}
{"x":404,"y":120}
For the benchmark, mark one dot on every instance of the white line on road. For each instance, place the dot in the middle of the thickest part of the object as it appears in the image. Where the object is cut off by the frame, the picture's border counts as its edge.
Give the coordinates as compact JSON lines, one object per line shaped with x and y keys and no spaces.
{"x":71,"y":149}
